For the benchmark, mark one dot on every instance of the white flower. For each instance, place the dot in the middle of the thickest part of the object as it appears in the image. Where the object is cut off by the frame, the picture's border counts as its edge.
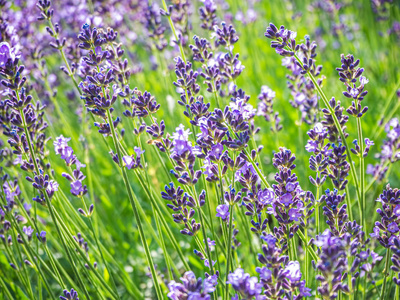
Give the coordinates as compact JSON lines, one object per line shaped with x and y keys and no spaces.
{"x":363,"y":80}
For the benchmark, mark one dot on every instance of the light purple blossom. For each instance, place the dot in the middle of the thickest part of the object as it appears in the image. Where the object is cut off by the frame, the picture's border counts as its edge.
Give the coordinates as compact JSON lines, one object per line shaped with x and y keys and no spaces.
{"x":396,"y":210}
{"x":290,"y":186}
{"x":79,"y":165}
{"x":18,"y":160}
{"x":266,"y":196}
{"x":11,"y":191}
{"x":304,"y":291}
{"x":53,"y":186}
{"x":286,"y":199}
{"x":244,"y":168}
{"x":138,"y":151}
{"x":202,"y":123}
{"x":60,"y":143}
{"x":28,"y":231}
{"x":354,"y":92}
{"x":241,"y":108}
{"x":363,"y":80}
{"x":269,"y":239}
{"x":67,"y":154}
{"x":244,"y":284}
{"x":292,"y":271}
{"x":375,"y":257}
{"x":207,"y":263}
{"x":76,"y":188}
{"x":223,"y":211}
{"x":375,"y":233}
{"x":209,"y":283}
{"x":267,"y":92}
{"x":208,"y":166}
{"x":210,"y":242}
{"x":294,"y":214}
{"x":217,"y":150}
{"x":368,"y":142}
{"x":129,"y":161}
{"x":393,"y":228}
{"x":6,"y":53}
{"x":265,"y":273}
{"x":311,"y":146}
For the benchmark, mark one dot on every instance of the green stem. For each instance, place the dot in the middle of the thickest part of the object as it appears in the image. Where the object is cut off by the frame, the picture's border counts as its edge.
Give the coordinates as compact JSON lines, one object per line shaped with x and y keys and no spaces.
{"x":362,"y":173}
{"x":203,"y":229}
{"x":348,"y":202}
{"x":379,"y":129}
{"x":229,"y":250}
{"x":164,"y":248}
{"x":309,"y":248}
{"x":338,"y":127}
{"x":5,"y":289}
{"x":385,"y":272}
{"x":48,"y":202}
{"x":171,"y":24}
{"x":134,"y":208}
{"x":211,"y":222}
{"x":99,"y":248}
{"x":317,"y":204}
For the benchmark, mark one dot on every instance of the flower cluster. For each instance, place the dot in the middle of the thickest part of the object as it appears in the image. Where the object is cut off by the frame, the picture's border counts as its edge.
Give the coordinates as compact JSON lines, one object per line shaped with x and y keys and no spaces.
{"x":287,"y":206}
{"x":245,"y":286}
{"x":280,"y":276}
{"x":390,"y":151}
{"x":191,"y":287}
{"x":265,"y":108}
{"x":183,"y":206}
{"x":351,"y":75}
{"x":76,"y":177}
{"x":343,"y":254}
{"x":24,"y":123}
{"x":387,"y":229}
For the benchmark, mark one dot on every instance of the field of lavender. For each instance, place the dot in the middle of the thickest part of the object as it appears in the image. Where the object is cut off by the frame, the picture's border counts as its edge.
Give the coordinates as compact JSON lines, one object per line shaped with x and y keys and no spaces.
{"x":200,"y":150}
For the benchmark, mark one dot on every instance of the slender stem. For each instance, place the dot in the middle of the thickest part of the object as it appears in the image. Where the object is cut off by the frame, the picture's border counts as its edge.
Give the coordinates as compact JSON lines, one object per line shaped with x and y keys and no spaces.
{"x":385,"y":273}
{"x":348,"y":202}
{"x":379,"y":129}
{"x":164,"y":248}
{"x":229,"y":250}
{"x":210,"y":262}
{"x":171,"y":24}
{"x":5,"y":289}
{"x":305,"y":242}
{"x":134,"y":208}
{"x":338,"y":127}
{"x":64,"y":58}
{"x":28,"y":252}
{"x":317,"y":204}
{"x":48,"y":202}
{"x":100,"y":251}
{"x":73,"y":244}
{"x":362,"y":173}
{"x":211,"y":222}
{"x":33,"y":222}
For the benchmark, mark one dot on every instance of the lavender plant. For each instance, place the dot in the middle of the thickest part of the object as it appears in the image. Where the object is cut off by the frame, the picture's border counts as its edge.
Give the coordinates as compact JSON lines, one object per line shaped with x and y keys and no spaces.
{"x":228,"y":202}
